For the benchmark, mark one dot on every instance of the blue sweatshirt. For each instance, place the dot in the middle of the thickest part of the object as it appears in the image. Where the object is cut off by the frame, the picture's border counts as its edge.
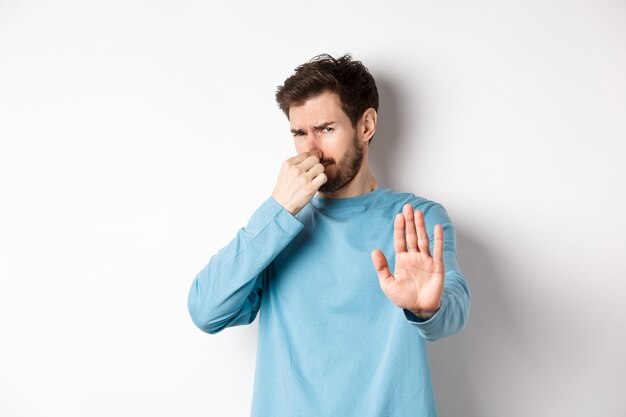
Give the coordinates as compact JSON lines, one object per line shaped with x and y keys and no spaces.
{"x":330,"y":343}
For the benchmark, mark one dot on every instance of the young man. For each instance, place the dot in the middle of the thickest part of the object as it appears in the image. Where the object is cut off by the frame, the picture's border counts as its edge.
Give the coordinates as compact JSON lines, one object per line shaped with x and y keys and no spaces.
{"x":342,"y":325}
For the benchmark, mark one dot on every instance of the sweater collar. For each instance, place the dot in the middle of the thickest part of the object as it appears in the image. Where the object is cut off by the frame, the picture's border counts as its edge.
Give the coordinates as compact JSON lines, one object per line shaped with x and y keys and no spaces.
{"x":363,"y":201}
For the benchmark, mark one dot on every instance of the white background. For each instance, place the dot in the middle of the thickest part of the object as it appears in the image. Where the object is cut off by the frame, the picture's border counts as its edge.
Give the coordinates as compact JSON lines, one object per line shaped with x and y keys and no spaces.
{"x":138,"y":136}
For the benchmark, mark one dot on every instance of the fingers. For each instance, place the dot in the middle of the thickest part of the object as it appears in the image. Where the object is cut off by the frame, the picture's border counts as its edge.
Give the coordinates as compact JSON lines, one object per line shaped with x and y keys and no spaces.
{"x":422,"y":236}
{"x":310,"y":162}
{"x":410,"y":231}
{"x":302,"y":156}
{"x":319,"y":180}
{"x":295,"y":160}
{"x":399,"y":242}
{"x":304,"y":161}
{"x":381,"y":265}
{"x":409,"y":221}
{"x":438,"y":246}
{"x":315,"y":170}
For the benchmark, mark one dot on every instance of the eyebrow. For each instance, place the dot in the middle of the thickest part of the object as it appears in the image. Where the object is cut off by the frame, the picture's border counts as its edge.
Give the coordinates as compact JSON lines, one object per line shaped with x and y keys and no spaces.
{"x":318,"y":127}
{"x":323,"y":125}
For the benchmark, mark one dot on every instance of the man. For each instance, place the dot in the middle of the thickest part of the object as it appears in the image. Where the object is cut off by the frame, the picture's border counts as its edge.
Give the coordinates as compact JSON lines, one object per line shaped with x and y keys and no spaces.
{"x":342,"y":326}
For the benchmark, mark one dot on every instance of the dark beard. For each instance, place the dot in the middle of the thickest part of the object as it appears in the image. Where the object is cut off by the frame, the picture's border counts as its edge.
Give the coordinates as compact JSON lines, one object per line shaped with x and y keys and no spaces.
{"x":345,"y":173}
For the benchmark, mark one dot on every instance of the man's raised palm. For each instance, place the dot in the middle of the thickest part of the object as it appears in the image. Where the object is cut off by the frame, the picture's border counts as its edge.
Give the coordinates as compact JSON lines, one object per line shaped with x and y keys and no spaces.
{"x":417,"y":282}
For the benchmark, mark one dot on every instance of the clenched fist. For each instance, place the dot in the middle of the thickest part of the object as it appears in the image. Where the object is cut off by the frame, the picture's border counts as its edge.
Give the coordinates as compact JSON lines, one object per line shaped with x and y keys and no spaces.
{"x":299,"y":179}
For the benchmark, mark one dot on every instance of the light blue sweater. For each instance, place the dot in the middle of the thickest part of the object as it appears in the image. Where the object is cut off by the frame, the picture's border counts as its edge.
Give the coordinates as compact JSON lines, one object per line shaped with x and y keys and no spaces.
{"x":330,"y":343}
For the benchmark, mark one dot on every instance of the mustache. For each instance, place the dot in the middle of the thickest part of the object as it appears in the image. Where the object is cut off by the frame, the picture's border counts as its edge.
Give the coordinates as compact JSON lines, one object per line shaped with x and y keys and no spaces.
{"x":327,"y":161}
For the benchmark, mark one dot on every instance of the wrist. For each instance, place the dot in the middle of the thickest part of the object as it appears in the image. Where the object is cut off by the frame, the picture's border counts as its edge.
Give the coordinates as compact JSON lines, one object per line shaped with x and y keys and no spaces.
{"x":425,"y":314}
{"x":292,"y":210}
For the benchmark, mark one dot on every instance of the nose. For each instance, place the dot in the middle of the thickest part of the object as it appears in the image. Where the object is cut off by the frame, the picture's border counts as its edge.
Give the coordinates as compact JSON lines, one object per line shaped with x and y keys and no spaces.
{"x":313,"y":145}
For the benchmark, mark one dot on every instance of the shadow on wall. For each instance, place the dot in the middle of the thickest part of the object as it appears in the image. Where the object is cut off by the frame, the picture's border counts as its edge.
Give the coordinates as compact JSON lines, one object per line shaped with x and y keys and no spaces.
{"x":463,"y":365}
{"x":460,"y":364}
{"x":384,"y":145}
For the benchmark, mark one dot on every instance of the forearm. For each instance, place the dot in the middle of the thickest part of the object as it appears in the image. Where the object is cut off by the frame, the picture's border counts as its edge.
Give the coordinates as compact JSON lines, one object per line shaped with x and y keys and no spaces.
{"x":227,"y":291}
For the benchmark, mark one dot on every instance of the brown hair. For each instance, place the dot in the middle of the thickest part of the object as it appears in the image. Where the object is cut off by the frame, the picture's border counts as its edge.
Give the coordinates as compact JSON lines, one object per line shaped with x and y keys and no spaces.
{"x":349,"y":79}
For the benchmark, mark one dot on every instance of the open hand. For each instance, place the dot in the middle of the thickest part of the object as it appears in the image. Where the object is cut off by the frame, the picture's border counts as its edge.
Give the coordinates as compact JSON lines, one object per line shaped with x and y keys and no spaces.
{"x":417,"y":282}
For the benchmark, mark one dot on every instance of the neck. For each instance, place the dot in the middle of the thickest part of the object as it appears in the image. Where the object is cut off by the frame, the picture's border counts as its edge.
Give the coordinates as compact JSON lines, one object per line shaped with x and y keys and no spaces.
{"x":363,"y":183}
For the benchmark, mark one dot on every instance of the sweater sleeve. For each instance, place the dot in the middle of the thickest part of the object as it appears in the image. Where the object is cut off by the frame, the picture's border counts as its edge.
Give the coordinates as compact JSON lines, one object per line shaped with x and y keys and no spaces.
{"x":227,"y":291}
{"x":452,"y":316}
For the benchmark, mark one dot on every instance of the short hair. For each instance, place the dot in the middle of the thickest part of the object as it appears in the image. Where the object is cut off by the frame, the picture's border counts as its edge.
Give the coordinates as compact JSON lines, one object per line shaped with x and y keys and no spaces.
{"x":349,"y":79}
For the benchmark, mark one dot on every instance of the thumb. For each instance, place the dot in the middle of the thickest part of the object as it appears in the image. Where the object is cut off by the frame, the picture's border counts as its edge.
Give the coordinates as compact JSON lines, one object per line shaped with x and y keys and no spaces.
{"x":381,"y":265}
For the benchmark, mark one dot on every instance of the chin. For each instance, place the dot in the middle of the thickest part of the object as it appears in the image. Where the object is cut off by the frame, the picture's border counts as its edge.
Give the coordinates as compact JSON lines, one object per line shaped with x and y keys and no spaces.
{"x":332,"y":189}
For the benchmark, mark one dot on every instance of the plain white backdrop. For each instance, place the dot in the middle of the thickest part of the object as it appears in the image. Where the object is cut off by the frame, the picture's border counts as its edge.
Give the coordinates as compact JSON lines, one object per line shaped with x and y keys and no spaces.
{"x":136,"y":137}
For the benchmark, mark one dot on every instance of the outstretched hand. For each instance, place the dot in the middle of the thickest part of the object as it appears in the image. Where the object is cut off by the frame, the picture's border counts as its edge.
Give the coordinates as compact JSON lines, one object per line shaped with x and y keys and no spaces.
{"x":418,"y":279}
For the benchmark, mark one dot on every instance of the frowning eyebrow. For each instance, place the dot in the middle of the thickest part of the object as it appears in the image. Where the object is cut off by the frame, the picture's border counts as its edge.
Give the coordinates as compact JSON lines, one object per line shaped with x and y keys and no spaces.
{"x":323,"y":125}
{"x":317,"y":127}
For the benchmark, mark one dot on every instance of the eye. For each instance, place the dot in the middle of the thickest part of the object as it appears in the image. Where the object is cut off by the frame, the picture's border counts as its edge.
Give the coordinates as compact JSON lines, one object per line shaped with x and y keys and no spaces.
{"x":298,"y":133}
{"x":327,"y":129}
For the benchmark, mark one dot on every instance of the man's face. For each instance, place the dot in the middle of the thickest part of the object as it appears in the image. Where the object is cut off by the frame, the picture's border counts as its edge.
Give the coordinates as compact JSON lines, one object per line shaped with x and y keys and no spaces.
{"x":320,"y":124}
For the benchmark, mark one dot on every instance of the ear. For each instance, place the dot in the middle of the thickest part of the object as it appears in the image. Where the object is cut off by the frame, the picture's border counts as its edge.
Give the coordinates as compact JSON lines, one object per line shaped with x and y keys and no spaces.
{"x":367,"y":124}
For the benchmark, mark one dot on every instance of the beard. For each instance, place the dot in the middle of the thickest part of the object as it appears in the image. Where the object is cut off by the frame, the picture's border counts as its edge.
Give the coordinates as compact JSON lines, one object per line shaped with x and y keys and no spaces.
{"x":347,"y":169}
